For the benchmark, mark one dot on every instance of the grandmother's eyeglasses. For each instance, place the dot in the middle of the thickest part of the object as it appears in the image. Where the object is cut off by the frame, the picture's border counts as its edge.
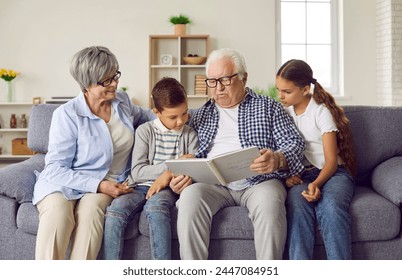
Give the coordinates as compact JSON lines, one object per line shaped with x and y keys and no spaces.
{"x":108,"y":81}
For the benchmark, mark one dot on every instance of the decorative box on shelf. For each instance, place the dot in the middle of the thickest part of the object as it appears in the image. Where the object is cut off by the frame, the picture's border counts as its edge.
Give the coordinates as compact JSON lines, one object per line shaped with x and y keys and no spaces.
{"x":20,"y":147}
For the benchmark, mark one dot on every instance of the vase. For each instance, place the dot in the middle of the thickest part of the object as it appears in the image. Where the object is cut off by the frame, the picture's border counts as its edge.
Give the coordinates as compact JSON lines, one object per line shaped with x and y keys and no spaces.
{"x":180,"y":29}
{"x":9,"y":91}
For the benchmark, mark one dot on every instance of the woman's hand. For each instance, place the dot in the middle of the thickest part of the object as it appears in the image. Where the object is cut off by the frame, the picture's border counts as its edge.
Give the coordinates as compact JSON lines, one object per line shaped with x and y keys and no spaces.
{"x":312,"y":193}
{"x":113,"y":189}
{"x":293,"y":180}
{"x":179,"y":183}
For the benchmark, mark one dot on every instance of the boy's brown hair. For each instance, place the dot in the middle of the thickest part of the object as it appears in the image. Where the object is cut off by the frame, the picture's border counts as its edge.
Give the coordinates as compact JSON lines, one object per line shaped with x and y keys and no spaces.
{"x":168,"y":93}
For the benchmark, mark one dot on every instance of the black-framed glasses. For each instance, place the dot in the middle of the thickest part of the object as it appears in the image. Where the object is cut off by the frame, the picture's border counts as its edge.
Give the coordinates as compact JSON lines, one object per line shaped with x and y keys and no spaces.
{"x":224,"y":81}
{"x":108,"y":81}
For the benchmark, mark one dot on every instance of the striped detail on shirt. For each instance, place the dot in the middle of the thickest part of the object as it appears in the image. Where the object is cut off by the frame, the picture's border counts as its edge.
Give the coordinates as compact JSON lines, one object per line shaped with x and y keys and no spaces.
{"x":166,"y":145}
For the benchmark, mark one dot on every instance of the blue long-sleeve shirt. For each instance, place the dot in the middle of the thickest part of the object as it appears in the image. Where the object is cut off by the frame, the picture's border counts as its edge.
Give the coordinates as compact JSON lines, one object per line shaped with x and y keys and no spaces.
{"x":80,"y":147}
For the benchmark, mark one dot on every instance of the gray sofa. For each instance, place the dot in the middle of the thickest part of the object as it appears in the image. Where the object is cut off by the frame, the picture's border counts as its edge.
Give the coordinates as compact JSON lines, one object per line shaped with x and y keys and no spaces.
{"x":375,"y":209}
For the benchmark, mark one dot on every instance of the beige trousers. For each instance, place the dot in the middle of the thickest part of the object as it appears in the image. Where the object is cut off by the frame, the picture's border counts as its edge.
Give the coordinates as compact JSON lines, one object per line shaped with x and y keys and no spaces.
{"x":79,"y":222}
{"x":199,"y":202}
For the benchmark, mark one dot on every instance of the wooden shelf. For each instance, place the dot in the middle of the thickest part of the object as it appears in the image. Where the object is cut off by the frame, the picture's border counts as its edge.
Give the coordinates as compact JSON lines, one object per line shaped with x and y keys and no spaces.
{"x":178,"y":47}
{"x":16,"y":104}
{"x":13,"y":130}
{"x":7,"y":134}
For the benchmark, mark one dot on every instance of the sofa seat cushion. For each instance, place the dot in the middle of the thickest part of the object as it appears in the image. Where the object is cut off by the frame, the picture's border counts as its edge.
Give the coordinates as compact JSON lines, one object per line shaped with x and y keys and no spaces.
{"x":374,"y":218}
{"x":229,"y":223}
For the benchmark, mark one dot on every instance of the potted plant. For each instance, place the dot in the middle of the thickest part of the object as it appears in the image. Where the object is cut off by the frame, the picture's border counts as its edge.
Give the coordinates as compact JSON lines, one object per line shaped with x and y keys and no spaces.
{"x":179,"y":23}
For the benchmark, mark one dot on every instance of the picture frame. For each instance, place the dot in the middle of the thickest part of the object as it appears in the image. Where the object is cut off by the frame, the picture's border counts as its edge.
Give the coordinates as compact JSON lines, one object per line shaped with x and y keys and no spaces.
{"x":36,"y":100}
{"x":166,"y":59}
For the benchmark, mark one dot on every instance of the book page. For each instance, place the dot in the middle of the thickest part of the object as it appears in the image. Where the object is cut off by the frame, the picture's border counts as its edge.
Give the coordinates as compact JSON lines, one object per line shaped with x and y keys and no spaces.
{"x":221,"y":169}
{"x":197,"y":169}
{"x":235,"y":165}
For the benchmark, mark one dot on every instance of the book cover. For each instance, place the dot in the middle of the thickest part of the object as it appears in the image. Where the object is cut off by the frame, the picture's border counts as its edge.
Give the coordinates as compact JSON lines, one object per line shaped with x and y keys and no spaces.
{"x":222,"y":169}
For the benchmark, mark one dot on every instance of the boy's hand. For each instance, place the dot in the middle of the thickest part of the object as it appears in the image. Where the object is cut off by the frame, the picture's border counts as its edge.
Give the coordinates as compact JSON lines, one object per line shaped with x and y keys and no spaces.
{"x":186,"y":156}
{"x":160,"y":183}
{"x":153,"y":190}
{"x":293,"y":180}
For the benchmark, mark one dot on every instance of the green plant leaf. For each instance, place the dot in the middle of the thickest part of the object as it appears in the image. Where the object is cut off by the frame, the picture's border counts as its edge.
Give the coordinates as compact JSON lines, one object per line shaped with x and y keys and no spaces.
{"x":180,"y":19}
{"x":269,"y":91}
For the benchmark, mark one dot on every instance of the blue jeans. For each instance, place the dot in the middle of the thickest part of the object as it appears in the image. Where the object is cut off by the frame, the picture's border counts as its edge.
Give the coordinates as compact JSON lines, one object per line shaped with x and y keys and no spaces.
{"x":330,"y":213}
{"x":122,"y":210}
{"x":157,"y":211}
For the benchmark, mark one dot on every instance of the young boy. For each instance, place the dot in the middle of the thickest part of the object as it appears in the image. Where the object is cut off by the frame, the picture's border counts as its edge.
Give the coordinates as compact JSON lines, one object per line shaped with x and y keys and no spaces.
{"x":167,"y":137}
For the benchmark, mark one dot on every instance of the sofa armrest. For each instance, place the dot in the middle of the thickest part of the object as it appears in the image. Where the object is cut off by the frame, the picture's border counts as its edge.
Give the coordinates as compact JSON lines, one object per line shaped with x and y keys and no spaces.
{"x":387,"y":179}
{"x":17,"y":180}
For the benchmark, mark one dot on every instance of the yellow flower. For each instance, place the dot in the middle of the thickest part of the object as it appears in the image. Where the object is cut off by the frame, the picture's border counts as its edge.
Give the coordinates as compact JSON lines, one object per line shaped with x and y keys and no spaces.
{"x":8,"y":74}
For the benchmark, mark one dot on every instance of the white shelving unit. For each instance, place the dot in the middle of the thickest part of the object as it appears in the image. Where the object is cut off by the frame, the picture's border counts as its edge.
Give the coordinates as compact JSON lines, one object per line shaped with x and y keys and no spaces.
{"x":177,"y":47}
{"x":7,"y":134}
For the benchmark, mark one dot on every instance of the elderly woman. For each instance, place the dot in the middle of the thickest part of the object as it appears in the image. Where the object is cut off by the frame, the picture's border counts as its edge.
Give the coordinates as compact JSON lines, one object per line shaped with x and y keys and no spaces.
{"x":90,"y":142}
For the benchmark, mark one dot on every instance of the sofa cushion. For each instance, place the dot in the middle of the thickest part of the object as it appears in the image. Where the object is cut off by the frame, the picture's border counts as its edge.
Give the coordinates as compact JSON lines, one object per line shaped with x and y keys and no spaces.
{"x":387,"y":179}
{"x":370,"y":127}
{"x":229,"y":223}
{"x":374,"y":218}
{"x":39,"y":125}
{"x":18,"y":180}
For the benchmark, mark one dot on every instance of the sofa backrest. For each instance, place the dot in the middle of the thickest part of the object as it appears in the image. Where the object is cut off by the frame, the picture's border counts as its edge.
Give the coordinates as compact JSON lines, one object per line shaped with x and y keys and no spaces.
{"x":377,"y":136}
{"x":39,"y":125}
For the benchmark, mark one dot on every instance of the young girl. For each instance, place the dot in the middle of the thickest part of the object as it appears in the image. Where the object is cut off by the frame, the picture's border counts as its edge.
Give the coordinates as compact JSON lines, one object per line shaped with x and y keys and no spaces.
{"x":323,"y":191}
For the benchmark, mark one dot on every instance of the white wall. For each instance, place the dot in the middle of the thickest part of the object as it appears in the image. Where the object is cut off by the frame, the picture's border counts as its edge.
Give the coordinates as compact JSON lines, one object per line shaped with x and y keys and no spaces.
{"x":38,"y":37}
{"x":359,"y":52}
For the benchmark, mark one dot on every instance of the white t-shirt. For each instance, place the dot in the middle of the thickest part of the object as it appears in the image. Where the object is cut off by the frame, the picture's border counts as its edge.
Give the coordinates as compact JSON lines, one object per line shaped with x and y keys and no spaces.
{"x":227,"y":139}
{"x":312,"y":124}
{"x":123,"y":140}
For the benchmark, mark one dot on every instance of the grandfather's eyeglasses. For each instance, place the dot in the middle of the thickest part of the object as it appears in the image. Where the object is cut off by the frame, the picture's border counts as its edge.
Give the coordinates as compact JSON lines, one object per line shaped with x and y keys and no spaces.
{"x":108,"y":81}
{"x":224,"y":81}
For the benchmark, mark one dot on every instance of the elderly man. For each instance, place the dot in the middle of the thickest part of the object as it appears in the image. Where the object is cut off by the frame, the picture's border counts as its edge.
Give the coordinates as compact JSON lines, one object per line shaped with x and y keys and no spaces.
{"x":236,"y":118}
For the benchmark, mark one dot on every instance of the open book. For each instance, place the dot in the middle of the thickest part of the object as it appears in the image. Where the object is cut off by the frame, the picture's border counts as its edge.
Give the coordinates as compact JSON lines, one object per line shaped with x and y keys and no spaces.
{"x":221,"y":169}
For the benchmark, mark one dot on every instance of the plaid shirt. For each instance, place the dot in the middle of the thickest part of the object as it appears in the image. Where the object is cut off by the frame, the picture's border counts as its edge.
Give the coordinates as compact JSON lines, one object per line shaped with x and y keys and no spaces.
{"x":263,"y":123}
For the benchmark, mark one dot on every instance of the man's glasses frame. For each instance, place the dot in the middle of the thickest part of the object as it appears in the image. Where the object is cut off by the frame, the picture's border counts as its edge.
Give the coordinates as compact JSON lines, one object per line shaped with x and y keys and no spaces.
{"x":108,"y":81}
{"x":224,"y":81}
